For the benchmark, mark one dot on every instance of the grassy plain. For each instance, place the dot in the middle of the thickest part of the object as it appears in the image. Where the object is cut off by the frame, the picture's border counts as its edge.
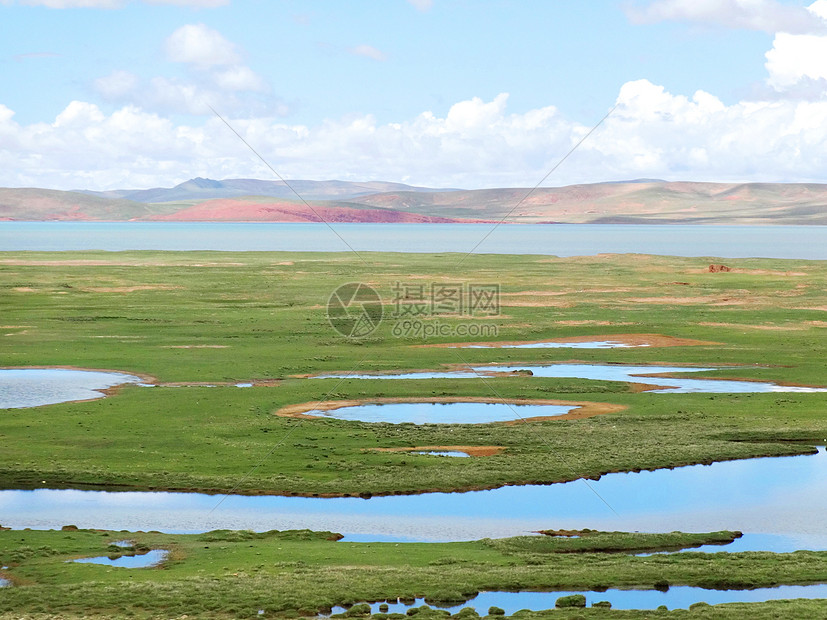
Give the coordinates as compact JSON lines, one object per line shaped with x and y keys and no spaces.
{"x":194,"y":318}
{"x":219,"y":318}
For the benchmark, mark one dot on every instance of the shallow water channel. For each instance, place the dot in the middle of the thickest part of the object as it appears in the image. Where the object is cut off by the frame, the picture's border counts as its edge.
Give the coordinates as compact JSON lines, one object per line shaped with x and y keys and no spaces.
{"x":780,"y":503}
{"x":600,"y":372}
{"x":32,"y":387}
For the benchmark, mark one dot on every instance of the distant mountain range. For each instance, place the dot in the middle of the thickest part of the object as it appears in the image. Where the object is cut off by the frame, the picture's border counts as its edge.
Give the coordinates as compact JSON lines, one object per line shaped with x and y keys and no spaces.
{"x":644,"y":201}
{"x":206,"y":189}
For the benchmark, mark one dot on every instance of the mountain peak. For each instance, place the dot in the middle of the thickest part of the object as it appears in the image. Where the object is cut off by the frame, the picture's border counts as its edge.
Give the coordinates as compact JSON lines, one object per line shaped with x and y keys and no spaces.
{"x":201,"y":183}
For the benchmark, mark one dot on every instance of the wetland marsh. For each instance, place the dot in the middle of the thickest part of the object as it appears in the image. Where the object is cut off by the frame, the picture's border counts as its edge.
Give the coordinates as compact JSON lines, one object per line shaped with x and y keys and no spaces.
{"x":162,"y":458}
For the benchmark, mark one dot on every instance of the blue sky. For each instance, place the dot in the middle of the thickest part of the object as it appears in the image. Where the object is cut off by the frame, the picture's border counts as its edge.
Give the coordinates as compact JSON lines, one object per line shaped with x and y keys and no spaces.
{"x":101,"y":94}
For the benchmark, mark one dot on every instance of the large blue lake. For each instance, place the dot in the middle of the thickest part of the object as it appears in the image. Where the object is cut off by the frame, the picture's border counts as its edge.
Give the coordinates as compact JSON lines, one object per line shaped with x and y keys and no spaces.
{"x":801,"y":242}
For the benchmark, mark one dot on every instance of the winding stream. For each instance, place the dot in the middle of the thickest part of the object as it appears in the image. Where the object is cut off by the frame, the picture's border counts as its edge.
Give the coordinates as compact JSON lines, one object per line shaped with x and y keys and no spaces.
{"x":599,"y":372}
{"x":781,"y":500}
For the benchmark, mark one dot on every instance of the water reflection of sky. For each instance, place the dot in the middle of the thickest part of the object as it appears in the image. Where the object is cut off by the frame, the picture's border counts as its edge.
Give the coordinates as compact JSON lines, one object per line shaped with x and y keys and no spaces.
{"x":678,"y":597}
{"x":626,"y":374}
{"x":32,"y":387}
{"x":441,"y":413}
{"x":146,"y":560}
{"x":785,"y":497}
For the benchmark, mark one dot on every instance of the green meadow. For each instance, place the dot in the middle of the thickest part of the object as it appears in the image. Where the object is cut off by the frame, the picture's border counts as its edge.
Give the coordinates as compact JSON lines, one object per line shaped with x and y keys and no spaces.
{"x":189,"y":320}
{"x":226,"y":574}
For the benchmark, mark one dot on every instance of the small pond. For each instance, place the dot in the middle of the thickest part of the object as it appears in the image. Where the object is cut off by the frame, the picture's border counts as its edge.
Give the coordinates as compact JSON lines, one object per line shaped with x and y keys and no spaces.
{"x":599,"y":372}
{"x":783,"y":497}
{"x":677,"y":597}
{"x":451,"y":453}
{"x":32,"y":387}
{"x":441,"y":413}
{"x":145,"y":560}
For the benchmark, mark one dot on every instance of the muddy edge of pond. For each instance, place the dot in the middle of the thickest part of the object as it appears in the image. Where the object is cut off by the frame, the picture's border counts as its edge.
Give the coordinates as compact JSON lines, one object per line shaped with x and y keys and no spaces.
{"x":634,"y":340}
{"x":585,"y":409}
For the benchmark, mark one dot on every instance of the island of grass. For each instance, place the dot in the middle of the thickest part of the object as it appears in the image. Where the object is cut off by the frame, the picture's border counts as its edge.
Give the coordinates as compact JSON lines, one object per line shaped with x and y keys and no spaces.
{"x":241,"y":574}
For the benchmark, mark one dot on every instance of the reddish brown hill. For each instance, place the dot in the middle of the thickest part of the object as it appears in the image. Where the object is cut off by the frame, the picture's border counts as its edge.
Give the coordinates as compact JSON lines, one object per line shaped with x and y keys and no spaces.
{"x":287,"y":211}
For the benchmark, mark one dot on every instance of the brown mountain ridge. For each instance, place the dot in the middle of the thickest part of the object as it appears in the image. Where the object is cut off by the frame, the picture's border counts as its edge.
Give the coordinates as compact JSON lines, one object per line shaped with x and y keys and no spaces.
{"x":637,"y":202}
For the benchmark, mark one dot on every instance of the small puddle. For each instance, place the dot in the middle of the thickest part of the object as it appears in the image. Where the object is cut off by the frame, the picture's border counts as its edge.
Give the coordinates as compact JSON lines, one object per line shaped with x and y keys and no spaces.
{"x":5,"y":583}
{"x":676,"y":597}
{"x":441,"y":413}
{"x":122,"y":543}
{"x":33,"y":387}
{"x":598,"y":372}
{"x":146,"y":560}
{"x":443,"y":453}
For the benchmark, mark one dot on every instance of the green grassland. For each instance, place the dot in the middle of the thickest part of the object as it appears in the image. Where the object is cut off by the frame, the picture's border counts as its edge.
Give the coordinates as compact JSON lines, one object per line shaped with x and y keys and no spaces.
{"x":229,"y":574}
{"x":196,"y":318}
{"x":132,"y":311}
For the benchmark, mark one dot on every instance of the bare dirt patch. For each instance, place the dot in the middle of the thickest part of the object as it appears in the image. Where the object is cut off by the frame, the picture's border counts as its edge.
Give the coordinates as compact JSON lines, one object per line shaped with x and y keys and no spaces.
{"x":535,"y":303}
{"x":469,"y":450}
{"x":751,"y":272}
{"x":593,"y":322}
{"x":129,"y":289}
{"x":196,"y":346}
{"x":650,"y":340}
{"x":100,"y":263}
{"x":585,"y":409}
{"x":536,"y":293}
{"x":691,"y":301}
{"x":779,"y":328}
{"x":24,"y":289}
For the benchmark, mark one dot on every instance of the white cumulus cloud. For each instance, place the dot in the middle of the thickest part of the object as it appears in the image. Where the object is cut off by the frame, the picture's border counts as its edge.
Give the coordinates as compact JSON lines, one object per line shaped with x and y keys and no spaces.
{"x":797,"y":63}
{"x":214,"y":76}
{"x":766,"y":15}
{"x":475,"y":143}
{"x":201,"y":46}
